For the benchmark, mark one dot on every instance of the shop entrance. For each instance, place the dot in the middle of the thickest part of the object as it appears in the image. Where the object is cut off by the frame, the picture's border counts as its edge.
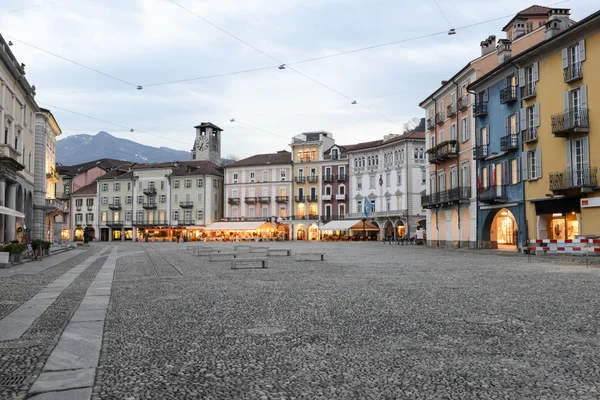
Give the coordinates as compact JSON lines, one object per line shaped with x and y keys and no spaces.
{"x":564,"y":226}
{"x":504,"y":228}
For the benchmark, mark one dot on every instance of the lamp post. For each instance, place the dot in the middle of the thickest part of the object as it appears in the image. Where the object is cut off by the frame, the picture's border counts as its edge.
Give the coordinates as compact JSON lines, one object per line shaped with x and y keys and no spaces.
{"x":364,"y":221}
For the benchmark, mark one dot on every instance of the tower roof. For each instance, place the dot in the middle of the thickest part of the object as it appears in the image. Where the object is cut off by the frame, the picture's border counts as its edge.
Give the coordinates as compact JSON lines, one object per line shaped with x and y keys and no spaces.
{"x":533,"y":11}
{"x":207,"y":124}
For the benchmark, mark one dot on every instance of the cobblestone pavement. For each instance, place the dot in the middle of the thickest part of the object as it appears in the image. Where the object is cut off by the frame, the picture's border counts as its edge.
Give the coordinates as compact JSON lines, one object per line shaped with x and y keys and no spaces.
{"x":372,"y":321}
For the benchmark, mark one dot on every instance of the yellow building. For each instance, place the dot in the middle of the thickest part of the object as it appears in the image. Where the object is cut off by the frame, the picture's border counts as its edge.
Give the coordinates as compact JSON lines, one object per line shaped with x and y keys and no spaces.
{"x":560,"y":88}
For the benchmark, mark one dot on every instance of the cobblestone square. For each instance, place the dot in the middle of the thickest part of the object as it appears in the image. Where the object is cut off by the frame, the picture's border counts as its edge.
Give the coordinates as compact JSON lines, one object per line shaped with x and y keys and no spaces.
{"x":372,"y":321}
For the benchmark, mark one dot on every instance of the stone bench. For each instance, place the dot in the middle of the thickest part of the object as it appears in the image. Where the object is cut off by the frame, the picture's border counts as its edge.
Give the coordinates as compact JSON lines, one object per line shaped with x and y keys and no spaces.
{"x":242,"y":247}
{"x":225,"y":256}
{"x":259,"y":249}
{"x":277,"y":252}
{"x":207,"y":251}
{"x":310,"y":257}
{"x":264,"y":262}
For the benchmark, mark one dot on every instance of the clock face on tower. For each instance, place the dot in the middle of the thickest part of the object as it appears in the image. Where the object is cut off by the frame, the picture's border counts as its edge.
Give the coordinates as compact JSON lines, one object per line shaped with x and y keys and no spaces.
{"x":202,"y":143}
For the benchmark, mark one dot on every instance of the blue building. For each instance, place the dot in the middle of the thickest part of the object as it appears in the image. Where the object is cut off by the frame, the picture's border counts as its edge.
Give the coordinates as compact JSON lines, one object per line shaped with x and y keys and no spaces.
{"x":499,"y":122}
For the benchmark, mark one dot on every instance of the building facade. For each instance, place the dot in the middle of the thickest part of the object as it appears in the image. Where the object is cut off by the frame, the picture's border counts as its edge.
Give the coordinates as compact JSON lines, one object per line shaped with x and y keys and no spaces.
{"x":17,"y":145}
{"x":84,"y":212}
{"x":391,"y":175}
{"x":48,"y":217}
{"x":308,"y":151}
{"x":334,"y":184}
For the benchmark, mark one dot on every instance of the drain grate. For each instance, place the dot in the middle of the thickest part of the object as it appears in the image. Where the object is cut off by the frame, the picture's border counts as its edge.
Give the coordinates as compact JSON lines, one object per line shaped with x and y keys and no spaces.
{"x":12,"y":380}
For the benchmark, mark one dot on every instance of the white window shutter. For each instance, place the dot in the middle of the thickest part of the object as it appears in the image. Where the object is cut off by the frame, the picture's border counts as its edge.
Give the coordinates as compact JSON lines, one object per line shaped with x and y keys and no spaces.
{"x":466,"y":129}
{"x":521,"y":77}
{"x":583,"y":94}
{"x":586,"y":159}
{"x":582,"y":50}
{"x":536,"y":114}
{"x":566,"y":101}
{"x":569,"y":169}
{"x":525,"y":173}
{"x":523,"y":118}
{"x":486,"y":95}
{"x":565,"y":58}
{"x":538,"y":162}
{"x":506,"y":125}
{"x":535,"y":72}
{"x":518,"y":170}
{"x":518,"y":122}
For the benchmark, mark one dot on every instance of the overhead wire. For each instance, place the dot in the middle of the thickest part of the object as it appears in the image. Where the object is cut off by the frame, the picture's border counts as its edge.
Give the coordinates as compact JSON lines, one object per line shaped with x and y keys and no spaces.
{"x":259,"y":129}
{"x":282,"y":63}
{"x":29,"y":7}
{"x":449,"y":23}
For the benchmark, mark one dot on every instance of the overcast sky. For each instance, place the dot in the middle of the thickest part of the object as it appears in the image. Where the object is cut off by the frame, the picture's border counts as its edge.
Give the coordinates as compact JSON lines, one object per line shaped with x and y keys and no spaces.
{"x":143,"y":42}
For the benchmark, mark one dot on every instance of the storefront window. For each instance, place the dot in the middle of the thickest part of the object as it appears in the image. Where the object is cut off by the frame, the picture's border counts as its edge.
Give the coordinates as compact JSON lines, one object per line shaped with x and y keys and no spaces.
{"x":564,"y":226}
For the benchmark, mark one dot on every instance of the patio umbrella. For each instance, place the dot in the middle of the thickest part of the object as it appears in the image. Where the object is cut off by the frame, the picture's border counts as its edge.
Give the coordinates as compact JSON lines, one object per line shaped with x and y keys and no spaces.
{"x":9,"y":211}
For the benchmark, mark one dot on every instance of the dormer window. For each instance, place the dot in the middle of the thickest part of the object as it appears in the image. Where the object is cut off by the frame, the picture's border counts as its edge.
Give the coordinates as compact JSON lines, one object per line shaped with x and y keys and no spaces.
{"x":335,"y":154}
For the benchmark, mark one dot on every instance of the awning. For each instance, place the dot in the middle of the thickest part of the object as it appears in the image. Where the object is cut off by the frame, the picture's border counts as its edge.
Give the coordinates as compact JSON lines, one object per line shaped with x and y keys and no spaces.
{"x":563,"y":205}
{"x":341,"y":225}
{"x":366,"y":226}
{"x":239,"y":226}
{"x":10,"y":211}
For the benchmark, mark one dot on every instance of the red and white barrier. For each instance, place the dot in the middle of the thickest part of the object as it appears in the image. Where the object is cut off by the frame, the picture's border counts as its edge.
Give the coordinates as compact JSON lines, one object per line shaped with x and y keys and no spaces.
{"x":552,"y":246}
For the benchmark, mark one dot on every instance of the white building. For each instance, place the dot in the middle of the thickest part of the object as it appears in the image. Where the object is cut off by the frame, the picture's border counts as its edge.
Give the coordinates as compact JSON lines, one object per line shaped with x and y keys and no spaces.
{"x":391,"y":174}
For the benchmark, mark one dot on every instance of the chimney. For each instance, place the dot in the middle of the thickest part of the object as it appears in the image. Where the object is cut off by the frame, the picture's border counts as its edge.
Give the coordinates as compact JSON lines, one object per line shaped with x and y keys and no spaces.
{"x":488,"y":45}
{"x":389,"y":136}
{"x":504,"y":50}
{"x":559,"y":21}
{"x":518,"y":28}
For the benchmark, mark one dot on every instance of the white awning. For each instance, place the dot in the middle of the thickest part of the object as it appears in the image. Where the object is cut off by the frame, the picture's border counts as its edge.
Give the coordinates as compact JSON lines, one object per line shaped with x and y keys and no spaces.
{"x":341,"y":225}
{"x":238,"y":226}
{"x":10,"y":211}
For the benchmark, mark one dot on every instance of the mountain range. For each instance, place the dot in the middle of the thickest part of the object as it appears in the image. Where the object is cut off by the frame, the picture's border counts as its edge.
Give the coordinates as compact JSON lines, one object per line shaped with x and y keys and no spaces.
{"x":78,"y":149}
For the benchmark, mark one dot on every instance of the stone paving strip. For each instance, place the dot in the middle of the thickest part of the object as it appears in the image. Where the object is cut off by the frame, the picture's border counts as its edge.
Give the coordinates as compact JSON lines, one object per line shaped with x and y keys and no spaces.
{"x":71,"y":367}
{"x":15,"y":324}
{"x":35,"y":267}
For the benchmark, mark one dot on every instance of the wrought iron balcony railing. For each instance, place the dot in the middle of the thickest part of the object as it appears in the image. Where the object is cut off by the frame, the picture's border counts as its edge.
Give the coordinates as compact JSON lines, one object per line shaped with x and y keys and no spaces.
{"x":327,"y":178}
{"x":299,"y":179}
{"x":439,"y":118}
{"x":264,"y":199}
{"x":115,"y":206}
{"x":573,"y":72}
{"x":493,"y":194}
{"x":299,"y":199}
{"x":462,"y":103}
{"x":530,"y":135}
{"x":150,"y":191}
{"x":233,"y":200}
{"x":282,"y":199}
{"x":341,"y":178}
{"x":509,"y":142}
{"x":250,"y":200}
{"x":430,"y":124}
{"x":443,"y":151}
{"x":508,"y":94}
{"x":584,"y":178}
{"x":480,"y":109}
{"x":528,"y":91}
{"x":149,"y":206}
{"x":312,"y":179}
{"x":186,"y":204}
{"x":571,"y":121}
{"x":480,"y":151}
{"x":451,"y":110}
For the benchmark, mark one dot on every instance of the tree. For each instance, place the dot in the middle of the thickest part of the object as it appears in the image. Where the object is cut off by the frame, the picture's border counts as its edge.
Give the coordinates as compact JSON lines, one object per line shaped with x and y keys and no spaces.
{"x":411,"y":124}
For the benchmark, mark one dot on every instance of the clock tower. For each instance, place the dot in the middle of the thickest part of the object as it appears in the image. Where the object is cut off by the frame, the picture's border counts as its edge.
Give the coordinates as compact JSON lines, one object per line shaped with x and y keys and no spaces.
{"x":207,"y":145}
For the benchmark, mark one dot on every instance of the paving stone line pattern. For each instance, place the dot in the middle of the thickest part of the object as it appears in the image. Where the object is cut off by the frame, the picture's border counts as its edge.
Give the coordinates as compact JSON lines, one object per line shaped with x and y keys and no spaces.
{"x":70,"y":369}
{"x":35,"y":267}
{"x":15,"y":324}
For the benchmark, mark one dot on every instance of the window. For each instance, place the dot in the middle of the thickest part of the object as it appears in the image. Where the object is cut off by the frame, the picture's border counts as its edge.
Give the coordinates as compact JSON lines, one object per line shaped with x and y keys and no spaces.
{"x":176,"y":184}
{"x":484,"y":135}
{"x":511,"y":124}
{"x":140,"y":216}
{"x":128,"y":186}
{"x":423,"y":176}
{"x":200,"y":182}
{"x":176,"y":215}
{"x":464,"y":174}
{"x":235,"y":178}
{"x":104,"y":201}
{"x":251,"y":176}
{"x":531,"y":163}
{"x":453,"y":178}
{"x":265,"y":175}
{"x":282,"y":211}
{"x":78,"y":202}
{"x":335,"y":155}
{"x":79,"y":218}
{"x":89,"y":202}
{"x":464,"y":129}
{"x":162,"y":185}
{"x":128,"y":200}
{"x":359,"y":183}
{"x":200,"y":214}
{"x":216,"y":198}
{"x":484,"y":177}
{"x":89,"y":217}
{"x":127,"y":215}
{"x":265,"y":211}
{"x":342,"y":189}
{"x":528,"y":26}
{"x":140,"y":199}
{"x":104,"y":216}
{"x":163,"y":198}
{"x":116,"y":186}
{"x":104,"y":187}
{"x":200,"y":197}
{"x":440,"y":137}
{"x":175,"y":198}
{"x":188,"y":183}
{"x":117,"y":200}
{"x":251,"y":211}
{"x":399,"y":181}
{"x":140,"y":185}
{"x":215,"y":183}
{"x":328,"y":190}
{"x":578,"y":162}
{"x":515,"y":171}
{"x":387,"y":179}
{"x":372,"y":182}
{"x":453,"y":132}
{"x":282,"y":174}
{"x":116,"y":216}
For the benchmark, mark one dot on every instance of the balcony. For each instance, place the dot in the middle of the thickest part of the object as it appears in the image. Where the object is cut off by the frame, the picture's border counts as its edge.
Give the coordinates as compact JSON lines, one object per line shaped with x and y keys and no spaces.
{"x":115,"y":206}
{"x":509,"y":142}
{"x":326,"y":197}
{"x":430,"y":124}
{"x":52,"y":175}
{"x":585,"y":179}
{"x":341,"y":178}
{"x":480,"y":109}
{"x":299,"y":199}
{"x":462,"y":103}
{"x":142,"y":221}
{"x":456,"y":195}
{"x":305,"y":159}
{"x":311,"y":198}
{"x":508,"y":94}
{"x":573,"y":72}
{"x":340,"y":197}
{"x":451,"y":110}
{"x":264,"y":199}
{"x":480,"y":152}
{"x":439,"y":118}
{"x":312,"y":179}
{"x":55,"y":204}
{"x":186,"y":221}
{"x":571,"y":121}
{"x":250,"y":200}
{"x":327,"y":218}
{"x":327,"y":178}
{"x":150,"y":191}
{"x":299,"y":179}
{"x":306,"y":217}
{"x":282,"y":199}
{"x":493,"y":194}
{"x":115,"y":223}
{"x":528,"y":91}
{"x":530,"y":135}
{"x":233,"y":200}
{"x":443,"y":151}
{"x":186,"y":204}
{"x":149,"y":206}
{"x":459,"y":194}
